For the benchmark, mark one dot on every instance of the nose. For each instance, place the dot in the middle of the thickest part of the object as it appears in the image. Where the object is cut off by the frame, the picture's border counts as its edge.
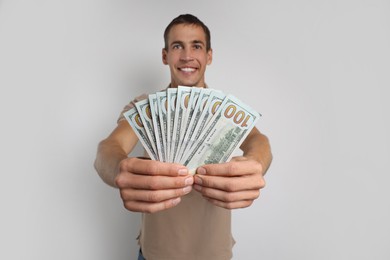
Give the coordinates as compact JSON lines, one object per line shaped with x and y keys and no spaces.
{"x":186,"y":54}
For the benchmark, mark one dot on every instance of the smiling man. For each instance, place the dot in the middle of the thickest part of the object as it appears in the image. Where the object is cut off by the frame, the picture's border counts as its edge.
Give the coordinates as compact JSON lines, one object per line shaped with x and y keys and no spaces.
{"x":184,"y":216}
{"x":187,"y":51}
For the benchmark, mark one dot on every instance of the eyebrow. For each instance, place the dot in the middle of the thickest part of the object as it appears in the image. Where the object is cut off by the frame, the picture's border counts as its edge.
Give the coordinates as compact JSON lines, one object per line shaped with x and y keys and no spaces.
{"x":193,"y":42}
{"x":198,"y":41}
{"x":176,"y":42}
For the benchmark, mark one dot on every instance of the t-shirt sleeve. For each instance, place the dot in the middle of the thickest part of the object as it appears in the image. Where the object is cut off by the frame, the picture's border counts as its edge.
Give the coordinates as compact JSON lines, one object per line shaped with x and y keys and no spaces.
{"x":130,"y":106}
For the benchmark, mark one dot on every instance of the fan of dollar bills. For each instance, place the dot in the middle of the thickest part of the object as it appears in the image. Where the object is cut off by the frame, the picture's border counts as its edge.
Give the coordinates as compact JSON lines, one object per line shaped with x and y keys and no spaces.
{"x":192,"y":126}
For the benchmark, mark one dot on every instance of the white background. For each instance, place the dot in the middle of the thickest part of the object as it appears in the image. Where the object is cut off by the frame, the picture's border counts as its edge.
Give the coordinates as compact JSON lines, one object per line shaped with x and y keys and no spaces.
{"x":318,"y":71}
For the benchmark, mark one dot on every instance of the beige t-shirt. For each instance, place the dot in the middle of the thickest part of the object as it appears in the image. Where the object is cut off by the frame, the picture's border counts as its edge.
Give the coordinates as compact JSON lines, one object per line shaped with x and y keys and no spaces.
{"x":193,"y":230}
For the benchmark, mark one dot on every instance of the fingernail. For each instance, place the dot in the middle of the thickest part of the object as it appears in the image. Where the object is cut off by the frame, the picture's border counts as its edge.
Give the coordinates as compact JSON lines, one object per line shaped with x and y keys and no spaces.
{"x":198,"y":180}
{"x":175,"y":201}
{"x":189,"y":181}
{"x":187,"y":189}
{"x":183,"y":171}
{"x":201,"y":170}
{"x":197,"y":187}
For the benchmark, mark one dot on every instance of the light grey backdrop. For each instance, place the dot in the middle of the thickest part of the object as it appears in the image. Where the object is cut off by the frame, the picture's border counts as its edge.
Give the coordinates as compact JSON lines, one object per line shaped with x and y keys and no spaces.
{"x":318,"y":71}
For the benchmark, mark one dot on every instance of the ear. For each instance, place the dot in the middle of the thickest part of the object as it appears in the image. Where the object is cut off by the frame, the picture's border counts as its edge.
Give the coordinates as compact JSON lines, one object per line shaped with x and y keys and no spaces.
{"x":164,"y":56}
{"x":209,"y":56}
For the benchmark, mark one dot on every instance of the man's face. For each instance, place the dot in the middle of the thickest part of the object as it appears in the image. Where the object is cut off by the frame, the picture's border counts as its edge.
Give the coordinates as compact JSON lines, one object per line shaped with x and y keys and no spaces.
{"x":186,"y":55}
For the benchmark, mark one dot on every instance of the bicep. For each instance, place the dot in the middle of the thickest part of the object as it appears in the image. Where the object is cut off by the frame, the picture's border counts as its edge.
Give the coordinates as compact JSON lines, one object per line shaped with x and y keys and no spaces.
{"x":252,"y":137}
{"x":255,"y":142}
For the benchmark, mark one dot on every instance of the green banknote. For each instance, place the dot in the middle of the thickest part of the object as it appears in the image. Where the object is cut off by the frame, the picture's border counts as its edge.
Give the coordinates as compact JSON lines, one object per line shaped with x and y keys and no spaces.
{"x":192,"y":126}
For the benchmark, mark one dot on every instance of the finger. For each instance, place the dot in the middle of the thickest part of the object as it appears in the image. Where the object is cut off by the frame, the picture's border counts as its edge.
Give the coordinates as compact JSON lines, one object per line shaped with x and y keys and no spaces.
{"x":228,"y":197}
{"x":148,"y":207}
{"x":150,"y":167}
{"x":144,"y":182}
{"x":232,"y":168}
{"x":154,"y":195}
{"x":231,"y":184}
{"x":239,"y":158}
{"x":231,"y":205}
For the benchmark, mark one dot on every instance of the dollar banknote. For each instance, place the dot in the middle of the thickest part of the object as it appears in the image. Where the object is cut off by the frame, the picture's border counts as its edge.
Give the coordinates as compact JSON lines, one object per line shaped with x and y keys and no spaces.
{"x":210,"y":107}
{"x":183,"y":96}
{"x":224,"y":132}
{"x":192,"y":126}
{"x":154,"y":111}
{"x":193,"y":104}
{"x":171,"y":104}
{"x":189,"y":99}
{"x":133,"y":118}
{"x":162,"y":117}
{"x":143,"y":108}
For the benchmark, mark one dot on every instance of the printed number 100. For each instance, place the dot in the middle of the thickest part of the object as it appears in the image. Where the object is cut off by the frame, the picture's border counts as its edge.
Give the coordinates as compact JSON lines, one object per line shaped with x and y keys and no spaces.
{"x":239,"y":117}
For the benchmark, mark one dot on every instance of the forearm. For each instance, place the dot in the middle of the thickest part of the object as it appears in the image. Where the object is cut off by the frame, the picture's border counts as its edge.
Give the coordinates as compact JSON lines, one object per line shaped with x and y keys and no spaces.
{"x":108,"y":157}
{"x":256,"y":146}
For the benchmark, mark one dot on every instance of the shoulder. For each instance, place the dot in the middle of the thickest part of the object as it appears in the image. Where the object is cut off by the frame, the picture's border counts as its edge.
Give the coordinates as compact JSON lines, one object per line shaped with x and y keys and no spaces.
{"x":130,"y":105}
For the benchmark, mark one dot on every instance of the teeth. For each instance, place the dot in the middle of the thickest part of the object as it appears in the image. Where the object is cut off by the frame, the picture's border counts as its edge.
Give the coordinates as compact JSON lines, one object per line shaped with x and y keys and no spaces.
{"x":187,"y":69}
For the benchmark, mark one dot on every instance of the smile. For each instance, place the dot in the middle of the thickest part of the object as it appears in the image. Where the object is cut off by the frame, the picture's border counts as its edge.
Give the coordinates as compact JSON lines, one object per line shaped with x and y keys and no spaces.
{"x":187,"y":69}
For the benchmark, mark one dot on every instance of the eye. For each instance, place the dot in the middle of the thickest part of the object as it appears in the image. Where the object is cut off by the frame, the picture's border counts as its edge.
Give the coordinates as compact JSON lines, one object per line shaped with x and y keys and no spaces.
{"x":197,"y":47}
{"x":176,"y":46}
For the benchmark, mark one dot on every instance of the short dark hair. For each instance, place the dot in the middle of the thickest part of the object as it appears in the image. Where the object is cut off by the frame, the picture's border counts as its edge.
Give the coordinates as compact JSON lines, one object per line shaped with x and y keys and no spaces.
{"x":187,"y":19}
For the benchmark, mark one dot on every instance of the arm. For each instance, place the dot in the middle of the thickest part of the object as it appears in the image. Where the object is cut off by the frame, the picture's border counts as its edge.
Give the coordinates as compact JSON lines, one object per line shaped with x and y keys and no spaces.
{"x":145,"y":185}
{"x":114,"y":149}
{"x":256,"y":146}
{"x":237,"y":184}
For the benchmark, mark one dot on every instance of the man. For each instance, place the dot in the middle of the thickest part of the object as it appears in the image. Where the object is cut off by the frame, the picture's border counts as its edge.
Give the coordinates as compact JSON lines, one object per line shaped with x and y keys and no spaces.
{"x":185,"y":217}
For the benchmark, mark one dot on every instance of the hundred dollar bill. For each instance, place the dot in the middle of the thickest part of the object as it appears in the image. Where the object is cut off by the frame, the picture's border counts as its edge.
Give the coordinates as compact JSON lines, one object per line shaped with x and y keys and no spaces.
{"x":143,"y":108}
{"x":171,"y":105}
{"x":162,"y":116}
{"x":133,"y":118}
{"x":199,"y":102}
{"x":156,"y":126}
{"x":226,"y":130}
{"x":213,"y":102}
{"x":189,"y":102}
{"x":183,"y":95}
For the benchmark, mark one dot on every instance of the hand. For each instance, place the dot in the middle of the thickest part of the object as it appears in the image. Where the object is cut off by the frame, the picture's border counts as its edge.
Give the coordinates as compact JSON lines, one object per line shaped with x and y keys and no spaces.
{"x":151,"y":186}
{"x":231,"y":185}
